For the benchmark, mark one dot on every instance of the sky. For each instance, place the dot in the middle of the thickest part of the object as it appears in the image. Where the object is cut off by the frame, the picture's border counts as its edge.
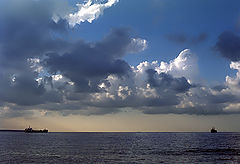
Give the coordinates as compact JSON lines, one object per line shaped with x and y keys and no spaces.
{"x":120,"y":65}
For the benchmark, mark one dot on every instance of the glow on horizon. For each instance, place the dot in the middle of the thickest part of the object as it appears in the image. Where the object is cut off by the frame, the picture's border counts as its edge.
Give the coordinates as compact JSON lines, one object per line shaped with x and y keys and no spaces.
{"x":126,"y":122}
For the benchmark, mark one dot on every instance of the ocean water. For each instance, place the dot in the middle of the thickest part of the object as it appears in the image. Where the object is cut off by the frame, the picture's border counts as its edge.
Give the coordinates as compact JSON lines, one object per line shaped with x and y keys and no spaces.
{"x":17,"y":147}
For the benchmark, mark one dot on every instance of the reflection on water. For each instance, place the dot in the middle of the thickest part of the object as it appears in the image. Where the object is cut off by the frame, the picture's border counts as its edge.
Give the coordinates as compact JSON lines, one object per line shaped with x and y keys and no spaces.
{"x":119,"y":147}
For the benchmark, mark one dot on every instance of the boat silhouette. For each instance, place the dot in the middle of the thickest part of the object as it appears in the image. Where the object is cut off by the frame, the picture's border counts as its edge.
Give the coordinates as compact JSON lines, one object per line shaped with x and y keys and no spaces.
{"x":30,"y":130}
{"x":213,"y":130}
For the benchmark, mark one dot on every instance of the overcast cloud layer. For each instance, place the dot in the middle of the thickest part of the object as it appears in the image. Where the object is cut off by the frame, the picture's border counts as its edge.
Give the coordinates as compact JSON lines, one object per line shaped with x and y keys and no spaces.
{"x":39,"y":70}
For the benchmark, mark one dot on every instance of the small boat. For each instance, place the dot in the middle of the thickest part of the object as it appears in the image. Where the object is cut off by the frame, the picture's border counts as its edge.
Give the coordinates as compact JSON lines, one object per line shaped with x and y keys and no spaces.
{"x":213,"y":130}
{"x":30,"y":130}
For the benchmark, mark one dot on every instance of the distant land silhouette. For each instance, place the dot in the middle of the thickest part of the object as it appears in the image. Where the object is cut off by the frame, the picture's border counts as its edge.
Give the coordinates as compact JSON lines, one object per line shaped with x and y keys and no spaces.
{"x":11,"y":130}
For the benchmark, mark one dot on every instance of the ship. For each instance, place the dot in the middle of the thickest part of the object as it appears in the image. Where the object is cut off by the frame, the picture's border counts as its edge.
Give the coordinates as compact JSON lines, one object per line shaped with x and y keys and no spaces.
{"x":30,"y":130}
{"x":213,"y":130}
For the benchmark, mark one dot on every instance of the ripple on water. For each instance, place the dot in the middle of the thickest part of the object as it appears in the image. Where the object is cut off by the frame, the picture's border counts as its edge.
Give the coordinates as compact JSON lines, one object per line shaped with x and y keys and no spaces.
{"x":119,"y":147}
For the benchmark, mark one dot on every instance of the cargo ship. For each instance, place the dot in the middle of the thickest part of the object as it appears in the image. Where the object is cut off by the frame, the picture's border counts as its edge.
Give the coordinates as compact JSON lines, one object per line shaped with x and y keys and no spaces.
{"x":30,"y":130}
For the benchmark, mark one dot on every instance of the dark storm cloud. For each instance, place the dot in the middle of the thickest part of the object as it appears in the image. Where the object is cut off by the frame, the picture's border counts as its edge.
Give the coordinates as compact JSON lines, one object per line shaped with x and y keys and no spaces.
{"x":17,"y":113}
{"x":183,"y":38}
{"x":166,"y":82}
{"x":167,"y":87}
{"x":223,"y":98}
{"x":20,"y":91}
{"x":89,"y":63}
{"x":197,"y":110}
{"x":28,"y":32}
{"x":136,"y":102}
{"x":219,"y":87}
{"x":228,"y":44}
{"x":25,"y":29}
{"x":25,"y":90}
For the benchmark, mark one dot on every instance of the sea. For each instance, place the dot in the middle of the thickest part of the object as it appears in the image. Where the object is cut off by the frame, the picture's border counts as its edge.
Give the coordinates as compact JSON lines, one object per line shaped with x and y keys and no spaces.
{"x":140,"y":147}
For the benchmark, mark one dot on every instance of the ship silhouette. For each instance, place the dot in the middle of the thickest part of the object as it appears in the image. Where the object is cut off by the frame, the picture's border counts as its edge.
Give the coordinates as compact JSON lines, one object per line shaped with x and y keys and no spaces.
{"x":30,"y":130}
{"x":213,"y":130}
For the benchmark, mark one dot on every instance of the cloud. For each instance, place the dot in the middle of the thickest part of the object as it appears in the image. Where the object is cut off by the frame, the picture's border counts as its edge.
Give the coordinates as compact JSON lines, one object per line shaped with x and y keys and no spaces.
{"x":167,"y":83}
{"x":228,"y":45}
{"x":89,"y":11}
{"x":181,"y":38}
{"x":199,"y":38}
{"x":7,"y":112}
{"x":184,"y":65}
{"x":146,"y":85}
{"x":89,"y":63}
{"x":233,"y":83}
{"x":137,"y":45}
{"x":40,"y":70}
{"x":18,"y":72}
{"x":154,"y":89}
{"x":37,"y":68}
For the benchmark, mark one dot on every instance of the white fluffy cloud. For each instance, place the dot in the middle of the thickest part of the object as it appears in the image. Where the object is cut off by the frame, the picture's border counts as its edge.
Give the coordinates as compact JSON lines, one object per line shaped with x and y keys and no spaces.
{"x":138,"y":91}
{"x":185,"y":64}
{"x":233,"y":87}
{"x":89,"y":11}
{"x":137,"y":85}
{"x":152,"y":87}
{"x":233,"y":82}
{"x":137,"y":45}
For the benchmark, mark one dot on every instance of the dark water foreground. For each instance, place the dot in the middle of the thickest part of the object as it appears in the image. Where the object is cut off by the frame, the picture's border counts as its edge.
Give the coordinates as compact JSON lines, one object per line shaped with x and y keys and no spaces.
{"x":119,"y":147}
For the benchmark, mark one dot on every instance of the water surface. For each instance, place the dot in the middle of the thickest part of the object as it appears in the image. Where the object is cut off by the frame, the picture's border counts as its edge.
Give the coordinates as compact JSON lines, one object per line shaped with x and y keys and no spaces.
{"x":17,"y":147}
